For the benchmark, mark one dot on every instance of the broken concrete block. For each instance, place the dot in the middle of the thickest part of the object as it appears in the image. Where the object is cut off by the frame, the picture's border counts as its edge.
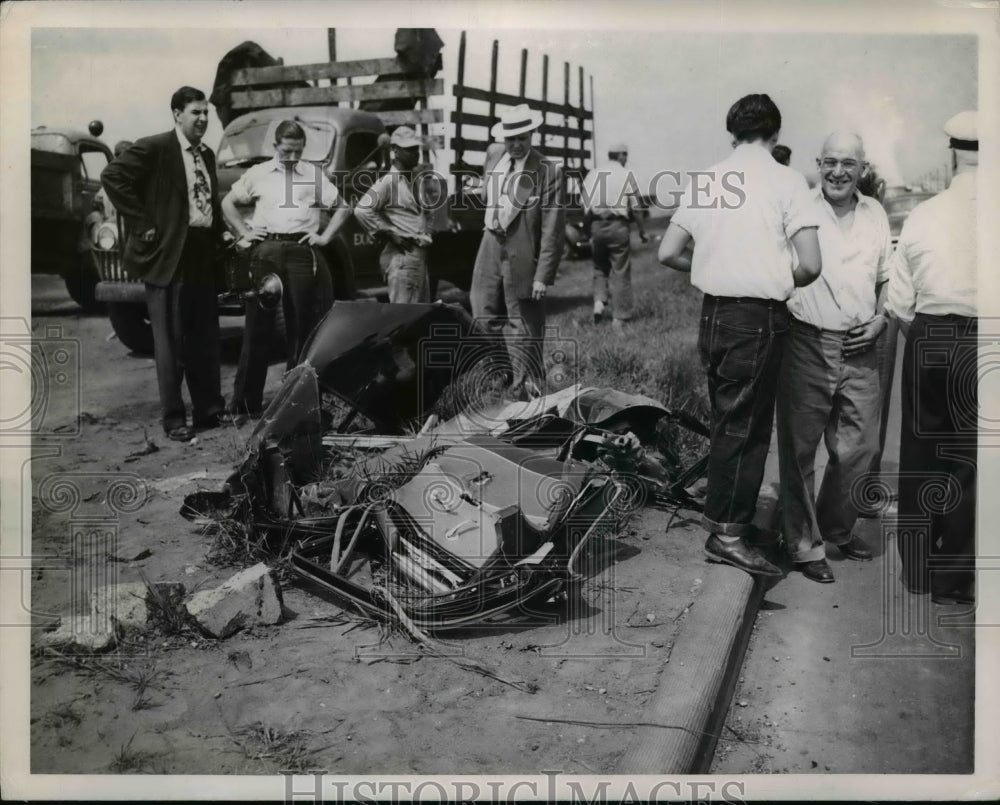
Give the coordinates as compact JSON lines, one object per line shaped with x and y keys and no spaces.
{"x":79,"y":633}
{"x":120,"y":605}
{"x":134,"y":606}
{"x":248,"y":598}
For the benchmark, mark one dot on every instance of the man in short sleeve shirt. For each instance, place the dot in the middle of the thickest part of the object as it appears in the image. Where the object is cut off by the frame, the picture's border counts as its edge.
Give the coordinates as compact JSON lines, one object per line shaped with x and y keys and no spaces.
{"x":391,"y":211}
{"x":744,"y":215}
{"x":288,"y":196}
{"x":829,"y":384}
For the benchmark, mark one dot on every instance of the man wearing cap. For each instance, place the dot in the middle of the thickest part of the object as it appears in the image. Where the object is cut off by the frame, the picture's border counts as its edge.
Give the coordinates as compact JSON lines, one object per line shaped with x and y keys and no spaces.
{"x":744,"y":215}
{"x":390,"y":210}
{"x":284,"y":239}
{"x":932,"y":291}
{"x":610,"y":197}
{"x":828,"y":386}
{"x":522,"y":243}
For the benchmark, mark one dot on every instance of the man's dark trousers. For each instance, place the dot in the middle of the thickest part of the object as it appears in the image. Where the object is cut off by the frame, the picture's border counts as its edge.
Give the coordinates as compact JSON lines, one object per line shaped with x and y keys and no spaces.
{"x":306,"y":297}
{"x":185,"y":319}
{"x":740,"y":341}
{"x":937,"y":453}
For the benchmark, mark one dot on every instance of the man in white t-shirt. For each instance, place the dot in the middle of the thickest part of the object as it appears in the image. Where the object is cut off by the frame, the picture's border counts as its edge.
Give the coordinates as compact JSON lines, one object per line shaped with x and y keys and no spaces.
{"x":744,"y":216}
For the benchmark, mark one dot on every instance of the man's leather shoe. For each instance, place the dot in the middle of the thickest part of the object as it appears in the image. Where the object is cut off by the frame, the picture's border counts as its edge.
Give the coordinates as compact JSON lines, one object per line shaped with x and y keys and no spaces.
{"x":817,"y":570}
{"x":856,"y":548}
{"x":208,"y":422}
{"x":180,"y":433}
{"x":960,"y":595}
{"x":739,"y":554}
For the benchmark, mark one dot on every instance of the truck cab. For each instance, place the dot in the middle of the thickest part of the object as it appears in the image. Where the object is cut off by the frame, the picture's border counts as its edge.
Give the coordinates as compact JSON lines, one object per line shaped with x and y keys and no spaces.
{"x":66,"y":167}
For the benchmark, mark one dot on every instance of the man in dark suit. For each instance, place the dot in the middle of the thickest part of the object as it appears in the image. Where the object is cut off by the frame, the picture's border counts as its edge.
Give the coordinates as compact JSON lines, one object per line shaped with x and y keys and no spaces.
{"x":164,"y":186}
{"x":522,"y":243}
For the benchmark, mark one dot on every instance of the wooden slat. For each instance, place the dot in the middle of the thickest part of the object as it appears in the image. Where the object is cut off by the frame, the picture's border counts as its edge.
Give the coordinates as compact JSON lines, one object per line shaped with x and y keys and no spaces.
{"x":547,"y":129}
{"x":551,"y":151}
{"x":474,"y":94}
{"x":281,"y":74}
{"x":318,"y":96}
{"x":411,"y":117}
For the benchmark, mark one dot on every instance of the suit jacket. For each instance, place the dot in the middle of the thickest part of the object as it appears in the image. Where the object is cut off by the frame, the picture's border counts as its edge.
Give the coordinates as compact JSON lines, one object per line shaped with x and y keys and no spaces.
{"x":148,"y":186}
{"x":537,"y":232}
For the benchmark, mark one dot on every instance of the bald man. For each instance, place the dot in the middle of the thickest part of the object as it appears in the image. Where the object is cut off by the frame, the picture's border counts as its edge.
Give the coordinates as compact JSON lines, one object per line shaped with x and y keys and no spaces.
{"x":828,"y":385}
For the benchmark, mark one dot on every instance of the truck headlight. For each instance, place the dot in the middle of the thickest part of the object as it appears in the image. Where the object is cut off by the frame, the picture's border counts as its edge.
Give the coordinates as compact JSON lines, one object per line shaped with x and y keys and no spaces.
{"x":106,"y":236}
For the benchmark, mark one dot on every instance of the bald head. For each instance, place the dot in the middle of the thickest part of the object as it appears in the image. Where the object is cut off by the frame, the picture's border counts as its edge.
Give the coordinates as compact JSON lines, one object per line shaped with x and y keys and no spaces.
{"x":841,"y":165}
{"x":844,"y":142}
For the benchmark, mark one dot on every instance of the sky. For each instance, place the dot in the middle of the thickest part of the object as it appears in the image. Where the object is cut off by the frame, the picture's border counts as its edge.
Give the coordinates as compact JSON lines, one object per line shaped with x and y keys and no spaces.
{"x":664,"y":91}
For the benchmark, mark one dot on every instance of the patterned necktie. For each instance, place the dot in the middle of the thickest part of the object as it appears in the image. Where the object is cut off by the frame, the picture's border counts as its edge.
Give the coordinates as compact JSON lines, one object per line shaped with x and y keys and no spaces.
{"x":202,"y":190}
{"x":498,"y":201}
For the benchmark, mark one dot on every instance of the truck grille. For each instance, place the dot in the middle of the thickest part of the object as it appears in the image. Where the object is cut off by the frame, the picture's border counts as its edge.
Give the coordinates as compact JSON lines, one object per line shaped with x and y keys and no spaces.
{"x":109,"y":265}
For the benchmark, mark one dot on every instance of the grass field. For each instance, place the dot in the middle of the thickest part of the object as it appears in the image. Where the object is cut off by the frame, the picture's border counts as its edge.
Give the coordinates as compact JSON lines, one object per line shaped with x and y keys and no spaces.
{"x":657,"y":355}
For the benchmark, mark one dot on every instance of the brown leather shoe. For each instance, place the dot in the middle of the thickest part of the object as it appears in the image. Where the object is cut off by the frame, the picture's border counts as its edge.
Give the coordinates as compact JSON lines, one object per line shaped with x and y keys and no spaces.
{"x":856,"y":548}
{"x":739,"y":554}
{"x":817,"y":570}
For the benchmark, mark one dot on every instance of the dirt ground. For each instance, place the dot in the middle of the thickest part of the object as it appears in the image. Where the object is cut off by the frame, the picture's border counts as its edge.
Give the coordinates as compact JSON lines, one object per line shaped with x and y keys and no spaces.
{"x":323,"y":690}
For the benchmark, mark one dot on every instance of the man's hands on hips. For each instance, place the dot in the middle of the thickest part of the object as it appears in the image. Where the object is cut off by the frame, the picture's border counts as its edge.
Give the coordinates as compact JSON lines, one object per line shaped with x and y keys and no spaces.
{"x":861,"y":338}
{"x":538,"y":290}
{"x":247,"y":239}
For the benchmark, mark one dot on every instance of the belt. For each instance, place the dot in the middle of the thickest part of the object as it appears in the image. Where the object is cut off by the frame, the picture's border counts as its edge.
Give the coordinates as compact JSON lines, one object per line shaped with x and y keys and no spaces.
{"x":610,"y":216}
{"x":747,"y":300}
{"x":798,"y":324}
{"x":286,"y":236}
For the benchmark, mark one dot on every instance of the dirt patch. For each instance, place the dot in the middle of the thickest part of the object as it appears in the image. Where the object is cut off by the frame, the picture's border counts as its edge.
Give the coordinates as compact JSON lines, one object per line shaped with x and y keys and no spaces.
{"x":325,"y":689}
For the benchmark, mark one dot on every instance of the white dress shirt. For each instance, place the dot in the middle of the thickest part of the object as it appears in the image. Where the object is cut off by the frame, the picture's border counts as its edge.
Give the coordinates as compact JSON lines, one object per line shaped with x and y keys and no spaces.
{"x":741,"y":213}
{"x":196,"y":218}
{"x":285,"y":203}
{"x":855,"y":252}
{"x":933,"y":269}
{"x":499,"y":197}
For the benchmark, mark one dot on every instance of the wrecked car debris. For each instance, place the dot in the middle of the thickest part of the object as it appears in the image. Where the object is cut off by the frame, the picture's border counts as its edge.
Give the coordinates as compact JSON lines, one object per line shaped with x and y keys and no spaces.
{"x":484,"y":513}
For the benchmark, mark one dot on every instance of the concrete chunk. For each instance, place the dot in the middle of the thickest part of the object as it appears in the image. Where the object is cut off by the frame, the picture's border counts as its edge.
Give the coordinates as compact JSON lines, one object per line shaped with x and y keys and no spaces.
{"x":249,"y":598}
{"x":79,"y":634}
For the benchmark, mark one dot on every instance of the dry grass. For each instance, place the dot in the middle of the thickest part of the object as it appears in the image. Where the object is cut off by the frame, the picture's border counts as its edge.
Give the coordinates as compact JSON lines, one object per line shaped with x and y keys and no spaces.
{"x":281,"y":750}
{"x":142,"y":674}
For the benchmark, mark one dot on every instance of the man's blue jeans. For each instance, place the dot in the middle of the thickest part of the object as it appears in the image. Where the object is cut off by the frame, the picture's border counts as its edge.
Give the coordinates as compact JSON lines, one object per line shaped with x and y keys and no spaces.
{"x":740,"y":342}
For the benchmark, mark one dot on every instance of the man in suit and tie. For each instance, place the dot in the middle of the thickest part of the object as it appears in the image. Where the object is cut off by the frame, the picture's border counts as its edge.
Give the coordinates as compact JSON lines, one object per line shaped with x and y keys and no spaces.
{"x":164,"y":187}
{"x":522,"y":244}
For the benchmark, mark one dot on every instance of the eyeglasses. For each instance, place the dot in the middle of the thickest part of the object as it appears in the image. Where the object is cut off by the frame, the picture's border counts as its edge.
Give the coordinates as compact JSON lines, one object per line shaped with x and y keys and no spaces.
{"x":829,"y":164}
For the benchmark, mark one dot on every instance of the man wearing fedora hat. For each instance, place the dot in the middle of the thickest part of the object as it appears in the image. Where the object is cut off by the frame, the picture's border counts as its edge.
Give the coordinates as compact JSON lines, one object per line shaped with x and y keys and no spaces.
{"x":522,"y":243}
{"x":390,"y":210}
{"x":932,"y":292}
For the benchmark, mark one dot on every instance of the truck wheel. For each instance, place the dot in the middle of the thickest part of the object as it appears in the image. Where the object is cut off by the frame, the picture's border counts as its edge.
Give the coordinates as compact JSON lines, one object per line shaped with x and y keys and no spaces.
{"x":81,"y":285}
{"x":131,"y":324}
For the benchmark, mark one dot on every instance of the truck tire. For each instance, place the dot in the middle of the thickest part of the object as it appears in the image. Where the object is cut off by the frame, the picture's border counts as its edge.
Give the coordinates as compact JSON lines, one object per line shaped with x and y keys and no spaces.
{"x":82,"y":282}
{"x":131,"y":324}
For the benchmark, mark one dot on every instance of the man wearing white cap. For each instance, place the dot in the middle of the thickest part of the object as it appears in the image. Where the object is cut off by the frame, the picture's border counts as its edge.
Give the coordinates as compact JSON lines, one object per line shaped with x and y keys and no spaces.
{"x":391,"y":210}
{"x":932,"y":291}
{"x":610,"y":197}
{"x":522,"y":243}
